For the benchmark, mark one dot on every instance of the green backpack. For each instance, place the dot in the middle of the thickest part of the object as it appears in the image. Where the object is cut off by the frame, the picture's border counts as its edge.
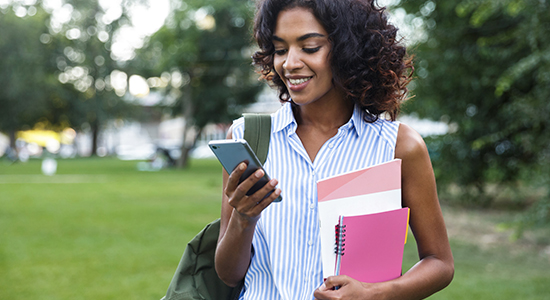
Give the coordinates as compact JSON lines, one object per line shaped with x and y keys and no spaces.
{"x":196,"y":277}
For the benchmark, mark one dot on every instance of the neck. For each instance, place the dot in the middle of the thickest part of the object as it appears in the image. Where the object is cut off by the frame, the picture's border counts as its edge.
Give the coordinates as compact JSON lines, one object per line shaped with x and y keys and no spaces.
{"x":326,"y":116}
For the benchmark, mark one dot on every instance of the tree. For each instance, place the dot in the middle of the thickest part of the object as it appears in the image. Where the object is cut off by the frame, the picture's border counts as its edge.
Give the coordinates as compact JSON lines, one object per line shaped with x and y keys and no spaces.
{"x":87,"y":62}
{"x":58,"y":72}
{"x":485,"y":70}
{"x":23,"y":68}
{"x":205,"y":46}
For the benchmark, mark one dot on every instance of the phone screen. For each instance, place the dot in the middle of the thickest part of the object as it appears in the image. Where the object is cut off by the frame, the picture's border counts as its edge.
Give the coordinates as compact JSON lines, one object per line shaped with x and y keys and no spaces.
{"x":231,"y":153}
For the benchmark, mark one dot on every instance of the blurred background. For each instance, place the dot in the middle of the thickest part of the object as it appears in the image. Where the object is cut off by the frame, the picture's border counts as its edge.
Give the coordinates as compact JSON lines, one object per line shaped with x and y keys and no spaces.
{"x":106,"y":108}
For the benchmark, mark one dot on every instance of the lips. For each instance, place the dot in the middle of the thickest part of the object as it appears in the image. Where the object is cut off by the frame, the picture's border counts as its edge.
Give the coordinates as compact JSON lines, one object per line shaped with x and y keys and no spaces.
{"x":298,"y":81}
{"x":297,"y":84}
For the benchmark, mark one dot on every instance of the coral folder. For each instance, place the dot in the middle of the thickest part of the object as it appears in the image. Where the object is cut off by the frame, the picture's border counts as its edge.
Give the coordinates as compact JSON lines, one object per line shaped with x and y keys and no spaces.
{"x":372,"y":190}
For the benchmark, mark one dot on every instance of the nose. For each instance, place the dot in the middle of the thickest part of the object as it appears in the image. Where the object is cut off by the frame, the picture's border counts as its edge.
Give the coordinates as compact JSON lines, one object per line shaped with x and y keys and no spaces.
{"x":293,"y":60}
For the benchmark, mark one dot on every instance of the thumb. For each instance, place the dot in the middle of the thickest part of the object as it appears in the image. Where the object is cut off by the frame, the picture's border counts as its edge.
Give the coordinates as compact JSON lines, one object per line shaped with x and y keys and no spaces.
{"x":334,"y":282}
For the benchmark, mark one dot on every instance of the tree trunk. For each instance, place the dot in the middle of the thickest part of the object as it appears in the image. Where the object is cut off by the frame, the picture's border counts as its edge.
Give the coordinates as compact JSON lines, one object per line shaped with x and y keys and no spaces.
{"x":95,"y":134}
{"x":12,"y":152}
{"x":12,"y":138}
{"x":187,"y":111}
{"x":184,"y":158}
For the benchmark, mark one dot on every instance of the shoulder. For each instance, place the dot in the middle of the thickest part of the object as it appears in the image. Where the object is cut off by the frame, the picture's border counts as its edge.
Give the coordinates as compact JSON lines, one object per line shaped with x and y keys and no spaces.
{"x":418,"y":180}
{"x":409,"y":143}
{"x":388,"y":130}
{"x":384,"y":130}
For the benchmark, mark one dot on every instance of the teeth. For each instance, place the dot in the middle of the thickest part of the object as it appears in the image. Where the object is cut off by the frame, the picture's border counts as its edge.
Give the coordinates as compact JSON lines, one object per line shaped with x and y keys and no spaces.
{"x":298,"y":81}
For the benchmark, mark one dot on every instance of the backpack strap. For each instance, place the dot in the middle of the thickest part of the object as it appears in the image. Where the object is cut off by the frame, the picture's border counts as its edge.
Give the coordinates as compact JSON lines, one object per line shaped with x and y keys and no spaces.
{"x":195,"y":276}
{"x":257,"y":132}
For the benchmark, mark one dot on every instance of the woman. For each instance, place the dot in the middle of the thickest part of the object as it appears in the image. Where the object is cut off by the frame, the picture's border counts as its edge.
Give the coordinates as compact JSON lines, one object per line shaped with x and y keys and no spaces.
{"x":339,"y":69}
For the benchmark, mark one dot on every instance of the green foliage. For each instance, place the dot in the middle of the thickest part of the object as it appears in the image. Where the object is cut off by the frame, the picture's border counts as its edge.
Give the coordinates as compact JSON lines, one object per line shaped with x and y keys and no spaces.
{"x":57,"y":74}
{"x":208,"y":42}
{"x":485,"y":70}
{"x":86,"y":62}
{"x":23,"y":68}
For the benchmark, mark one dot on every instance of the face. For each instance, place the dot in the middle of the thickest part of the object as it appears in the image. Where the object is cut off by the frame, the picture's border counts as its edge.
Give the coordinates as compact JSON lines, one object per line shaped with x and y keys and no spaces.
{"x":302,"y":56}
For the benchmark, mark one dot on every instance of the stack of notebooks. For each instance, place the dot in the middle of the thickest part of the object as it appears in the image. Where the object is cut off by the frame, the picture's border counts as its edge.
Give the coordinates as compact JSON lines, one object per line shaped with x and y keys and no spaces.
{"x":363,"y":226}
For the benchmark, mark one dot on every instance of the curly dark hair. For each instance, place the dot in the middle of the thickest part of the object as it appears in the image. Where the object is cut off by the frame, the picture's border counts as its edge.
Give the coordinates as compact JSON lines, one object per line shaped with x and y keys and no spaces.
{"x":368,"y":63}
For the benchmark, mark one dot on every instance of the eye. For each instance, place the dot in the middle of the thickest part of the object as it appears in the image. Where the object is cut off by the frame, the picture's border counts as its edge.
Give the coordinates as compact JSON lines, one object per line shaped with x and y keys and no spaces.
{"x":280,"y":52}
{"x":311,"y":50}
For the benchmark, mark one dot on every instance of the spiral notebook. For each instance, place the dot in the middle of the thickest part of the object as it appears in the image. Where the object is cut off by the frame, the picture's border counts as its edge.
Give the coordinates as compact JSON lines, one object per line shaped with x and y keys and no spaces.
{"x":369,"y":248}
{"x":371,"y":190}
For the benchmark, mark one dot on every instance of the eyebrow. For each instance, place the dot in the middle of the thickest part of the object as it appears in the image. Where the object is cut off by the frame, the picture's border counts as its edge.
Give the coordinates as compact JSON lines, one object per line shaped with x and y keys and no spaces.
{"x":302,"y":38}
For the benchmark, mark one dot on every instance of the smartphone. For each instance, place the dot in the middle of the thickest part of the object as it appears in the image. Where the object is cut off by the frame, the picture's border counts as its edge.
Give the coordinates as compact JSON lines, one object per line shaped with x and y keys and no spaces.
{"x":231,"y":153}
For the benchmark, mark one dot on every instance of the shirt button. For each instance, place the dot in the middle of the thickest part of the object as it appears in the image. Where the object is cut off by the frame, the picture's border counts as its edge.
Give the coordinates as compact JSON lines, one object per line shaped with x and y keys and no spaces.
{"x":312,"y":206}
{"x":331,"y":145}
{"x":310,"y":243}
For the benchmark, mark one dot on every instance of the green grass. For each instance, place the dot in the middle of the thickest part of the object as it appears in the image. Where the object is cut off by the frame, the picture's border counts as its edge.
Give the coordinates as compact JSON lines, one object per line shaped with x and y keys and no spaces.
{"x":100,"y":229}
{"x":118,"y":234}
{"x":492,"y":274}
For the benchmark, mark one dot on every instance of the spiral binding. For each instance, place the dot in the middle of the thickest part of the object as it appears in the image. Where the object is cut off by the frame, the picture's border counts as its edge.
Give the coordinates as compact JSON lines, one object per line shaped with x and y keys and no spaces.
{"x":340,"y":231}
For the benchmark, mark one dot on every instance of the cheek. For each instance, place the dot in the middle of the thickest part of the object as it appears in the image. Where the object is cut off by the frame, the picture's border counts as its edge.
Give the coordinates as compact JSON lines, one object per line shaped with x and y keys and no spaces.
{"x":278,"y":65}
{"x":325,"y":68}
{"x":322,"y":62}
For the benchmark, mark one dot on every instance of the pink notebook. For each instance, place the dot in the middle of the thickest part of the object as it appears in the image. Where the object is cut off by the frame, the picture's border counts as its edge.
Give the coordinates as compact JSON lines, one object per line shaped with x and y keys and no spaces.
{"x":366,"y":191}
{"x":370,"y":247}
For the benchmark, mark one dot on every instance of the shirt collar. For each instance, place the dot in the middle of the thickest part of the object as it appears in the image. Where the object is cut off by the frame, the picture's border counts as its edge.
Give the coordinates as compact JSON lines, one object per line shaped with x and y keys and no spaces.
{"x":285,"y":118}
{"x":357,"y":120}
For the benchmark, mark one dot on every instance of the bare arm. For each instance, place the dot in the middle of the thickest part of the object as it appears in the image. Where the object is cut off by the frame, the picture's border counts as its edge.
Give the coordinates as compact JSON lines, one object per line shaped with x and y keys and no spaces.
{"x":435,"y":269}
{"x":239,"y":216}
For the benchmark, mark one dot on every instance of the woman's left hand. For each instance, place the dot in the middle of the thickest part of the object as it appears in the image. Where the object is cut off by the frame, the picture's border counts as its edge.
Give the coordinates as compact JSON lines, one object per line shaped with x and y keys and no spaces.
{"x":348,"y":288}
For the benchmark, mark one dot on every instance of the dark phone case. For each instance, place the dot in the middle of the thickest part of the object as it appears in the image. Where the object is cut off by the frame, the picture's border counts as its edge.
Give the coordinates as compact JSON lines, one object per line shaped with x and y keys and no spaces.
{"x":231,"y":153}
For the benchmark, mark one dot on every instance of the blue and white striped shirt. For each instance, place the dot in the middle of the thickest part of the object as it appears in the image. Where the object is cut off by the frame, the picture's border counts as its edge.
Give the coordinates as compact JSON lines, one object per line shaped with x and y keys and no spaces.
{"x":287,"y":259}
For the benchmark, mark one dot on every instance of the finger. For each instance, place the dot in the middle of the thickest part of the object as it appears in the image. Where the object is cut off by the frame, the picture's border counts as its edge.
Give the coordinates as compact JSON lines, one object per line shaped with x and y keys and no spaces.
{"x":244,"y":186}
{"x":263,"y":203}
{"x":234,"y":177}
{"x":264,"y":193}
{"x":323,"y":287}
{"x":333,"y":282}
{"x":322,"y":293}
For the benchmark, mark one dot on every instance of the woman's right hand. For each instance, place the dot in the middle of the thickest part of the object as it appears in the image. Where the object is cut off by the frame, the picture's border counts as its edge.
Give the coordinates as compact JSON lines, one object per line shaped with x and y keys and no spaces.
{"x":250,"y":207}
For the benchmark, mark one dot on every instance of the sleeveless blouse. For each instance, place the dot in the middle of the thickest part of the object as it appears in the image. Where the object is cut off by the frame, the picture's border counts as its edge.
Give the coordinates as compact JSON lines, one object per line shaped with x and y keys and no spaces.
{"x":287,"y":258}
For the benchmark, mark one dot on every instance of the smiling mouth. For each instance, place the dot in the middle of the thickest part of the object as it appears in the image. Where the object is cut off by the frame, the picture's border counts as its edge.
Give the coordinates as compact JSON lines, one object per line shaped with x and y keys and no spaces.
{"x":299,"y":81}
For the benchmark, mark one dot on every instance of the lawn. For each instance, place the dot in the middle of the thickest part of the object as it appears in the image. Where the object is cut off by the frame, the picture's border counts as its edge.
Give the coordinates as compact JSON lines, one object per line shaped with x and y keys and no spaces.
{"x":101,"y":229}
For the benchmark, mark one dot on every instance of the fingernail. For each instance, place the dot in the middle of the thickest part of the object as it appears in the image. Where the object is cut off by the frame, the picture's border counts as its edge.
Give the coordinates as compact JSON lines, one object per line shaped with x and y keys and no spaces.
{"x":273,"y":182}
{"x":242,"y":166}
{"x":259,"y":173}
